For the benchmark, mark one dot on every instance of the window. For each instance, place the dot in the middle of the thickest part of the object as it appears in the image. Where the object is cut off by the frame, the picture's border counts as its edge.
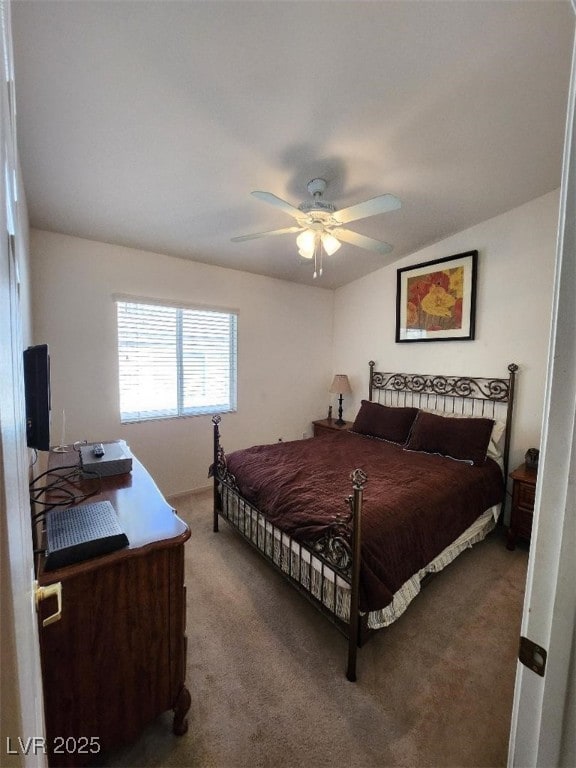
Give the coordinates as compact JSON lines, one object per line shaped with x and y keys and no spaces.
{"x":175,"y":361}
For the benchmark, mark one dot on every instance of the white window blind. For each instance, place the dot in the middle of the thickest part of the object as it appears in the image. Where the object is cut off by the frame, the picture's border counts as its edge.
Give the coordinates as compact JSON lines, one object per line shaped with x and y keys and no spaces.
{"x":175,"y":361}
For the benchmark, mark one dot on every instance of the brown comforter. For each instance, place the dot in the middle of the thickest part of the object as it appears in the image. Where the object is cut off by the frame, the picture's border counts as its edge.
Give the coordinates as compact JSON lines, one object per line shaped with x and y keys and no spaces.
{"x":415,"y":504}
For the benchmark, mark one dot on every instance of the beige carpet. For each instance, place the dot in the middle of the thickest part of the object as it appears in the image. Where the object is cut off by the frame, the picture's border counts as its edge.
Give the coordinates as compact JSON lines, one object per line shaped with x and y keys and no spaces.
{"x":266,"y":671}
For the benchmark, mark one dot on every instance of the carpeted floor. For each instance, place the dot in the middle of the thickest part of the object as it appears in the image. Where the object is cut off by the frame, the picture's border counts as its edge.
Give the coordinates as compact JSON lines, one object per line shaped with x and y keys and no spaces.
{"x":266,"y":671}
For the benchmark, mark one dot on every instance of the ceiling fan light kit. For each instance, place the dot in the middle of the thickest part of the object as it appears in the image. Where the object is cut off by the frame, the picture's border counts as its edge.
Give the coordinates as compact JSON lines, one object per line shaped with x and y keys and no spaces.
{"x":320,"y":223}
{"x":330,"y":243}
{"x":306,"y":242}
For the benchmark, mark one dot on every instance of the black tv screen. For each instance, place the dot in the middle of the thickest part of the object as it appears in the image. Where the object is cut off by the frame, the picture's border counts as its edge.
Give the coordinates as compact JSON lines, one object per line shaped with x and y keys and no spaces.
{"x":37,"y":394}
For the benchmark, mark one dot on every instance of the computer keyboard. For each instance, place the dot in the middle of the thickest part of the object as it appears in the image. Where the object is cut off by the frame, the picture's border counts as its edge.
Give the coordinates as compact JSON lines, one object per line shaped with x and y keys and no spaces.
{"x":81,"y":532}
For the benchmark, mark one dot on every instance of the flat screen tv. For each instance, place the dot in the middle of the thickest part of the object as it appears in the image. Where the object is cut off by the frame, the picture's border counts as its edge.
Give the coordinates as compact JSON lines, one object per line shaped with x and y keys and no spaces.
{"x":37,"y":394}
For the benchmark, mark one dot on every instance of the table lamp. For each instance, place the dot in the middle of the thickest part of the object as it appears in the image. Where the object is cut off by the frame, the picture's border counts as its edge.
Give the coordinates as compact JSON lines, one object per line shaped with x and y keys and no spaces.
{"x":340,"y":386}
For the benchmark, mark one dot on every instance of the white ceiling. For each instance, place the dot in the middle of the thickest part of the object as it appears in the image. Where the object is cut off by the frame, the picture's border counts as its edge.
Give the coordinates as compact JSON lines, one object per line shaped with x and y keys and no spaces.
{"x":147,"y":124}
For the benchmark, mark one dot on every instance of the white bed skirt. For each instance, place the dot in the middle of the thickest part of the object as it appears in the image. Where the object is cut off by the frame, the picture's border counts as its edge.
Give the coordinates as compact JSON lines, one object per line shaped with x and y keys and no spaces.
{"x":323,"y":583}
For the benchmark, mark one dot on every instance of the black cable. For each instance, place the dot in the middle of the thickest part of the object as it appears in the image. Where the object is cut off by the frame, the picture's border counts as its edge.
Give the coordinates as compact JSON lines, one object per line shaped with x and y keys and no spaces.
{"x":60,"y":479}
{"x":53,"y":471}
{"x":50,"y":505}
{"x":72,"y":497}
{"x":58,"y":486}
{"x":59,"y":482}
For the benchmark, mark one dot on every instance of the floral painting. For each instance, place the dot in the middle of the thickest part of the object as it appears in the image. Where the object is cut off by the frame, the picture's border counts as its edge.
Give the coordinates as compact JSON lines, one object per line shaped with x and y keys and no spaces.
{"x":436,"y":301}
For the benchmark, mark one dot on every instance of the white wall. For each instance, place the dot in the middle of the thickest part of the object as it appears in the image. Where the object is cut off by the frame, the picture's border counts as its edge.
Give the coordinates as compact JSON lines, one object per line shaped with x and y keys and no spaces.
{"x":513,"y":313}
{"x":284,"y":351}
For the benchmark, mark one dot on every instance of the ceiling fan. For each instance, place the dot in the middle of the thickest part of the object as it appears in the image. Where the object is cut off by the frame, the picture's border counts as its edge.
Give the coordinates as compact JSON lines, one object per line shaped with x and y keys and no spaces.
{"x":320,"y":223}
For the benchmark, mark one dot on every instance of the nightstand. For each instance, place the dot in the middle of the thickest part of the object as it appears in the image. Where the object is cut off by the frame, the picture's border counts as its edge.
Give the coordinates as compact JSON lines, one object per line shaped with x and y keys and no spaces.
{"x":522,"y":511}
{"x":327,"y":425}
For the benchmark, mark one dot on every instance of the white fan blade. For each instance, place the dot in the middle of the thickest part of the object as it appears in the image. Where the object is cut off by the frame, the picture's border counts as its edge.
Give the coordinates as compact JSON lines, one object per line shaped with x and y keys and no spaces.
{"x":288,"y":208}
{"x":284,"y":231}
{"x":380,"y":204}
{"x":347,"y":236}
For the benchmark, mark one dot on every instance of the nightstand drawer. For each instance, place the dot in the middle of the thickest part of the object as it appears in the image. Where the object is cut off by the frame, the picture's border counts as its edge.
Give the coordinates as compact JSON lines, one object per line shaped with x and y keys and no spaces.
{"x":329,"y":425}
{"x":523,"y":523}
{"x":522,"y":509}
{"x":525,"y":495}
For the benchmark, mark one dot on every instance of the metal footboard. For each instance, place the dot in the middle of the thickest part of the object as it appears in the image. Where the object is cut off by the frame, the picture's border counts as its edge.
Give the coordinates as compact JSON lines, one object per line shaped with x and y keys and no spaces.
{"x":327,"y":573}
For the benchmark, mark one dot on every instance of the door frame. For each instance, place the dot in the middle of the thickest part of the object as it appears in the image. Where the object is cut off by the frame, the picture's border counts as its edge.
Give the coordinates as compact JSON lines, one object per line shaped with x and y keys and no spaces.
{"x":543,"y":729}
{"x":22,"y":715}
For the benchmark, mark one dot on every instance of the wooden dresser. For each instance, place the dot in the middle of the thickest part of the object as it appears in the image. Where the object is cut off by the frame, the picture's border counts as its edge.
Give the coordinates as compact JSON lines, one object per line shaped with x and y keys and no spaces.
{"x":117,"y":657}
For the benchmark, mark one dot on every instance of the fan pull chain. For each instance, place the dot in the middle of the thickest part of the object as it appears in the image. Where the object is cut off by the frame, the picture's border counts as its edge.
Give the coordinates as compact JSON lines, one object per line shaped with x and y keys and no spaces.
{"x":318,"y":256}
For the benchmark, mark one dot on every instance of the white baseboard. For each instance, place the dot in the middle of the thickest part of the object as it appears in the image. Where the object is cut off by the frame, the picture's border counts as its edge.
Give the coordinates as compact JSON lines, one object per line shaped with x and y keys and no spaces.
{"x":191,"y":492}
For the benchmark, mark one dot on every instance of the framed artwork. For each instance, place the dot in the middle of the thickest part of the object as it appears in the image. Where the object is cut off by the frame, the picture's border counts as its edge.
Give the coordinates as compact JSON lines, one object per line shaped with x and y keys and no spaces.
{"x":436,"y":301}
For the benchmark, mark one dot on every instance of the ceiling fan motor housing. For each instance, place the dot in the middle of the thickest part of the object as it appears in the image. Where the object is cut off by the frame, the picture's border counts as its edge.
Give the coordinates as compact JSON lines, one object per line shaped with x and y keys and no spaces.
{"x":316,"y":205}
{"x":316,"y":187}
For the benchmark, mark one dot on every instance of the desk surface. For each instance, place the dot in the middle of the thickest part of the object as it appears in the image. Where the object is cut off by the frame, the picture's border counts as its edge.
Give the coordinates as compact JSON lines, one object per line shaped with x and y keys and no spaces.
{"x":143,"y":512}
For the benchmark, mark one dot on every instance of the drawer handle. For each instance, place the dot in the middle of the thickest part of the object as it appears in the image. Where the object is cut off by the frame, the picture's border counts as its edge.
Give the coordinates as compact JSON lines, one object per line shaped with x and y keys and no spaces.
{"x":42,"y":593}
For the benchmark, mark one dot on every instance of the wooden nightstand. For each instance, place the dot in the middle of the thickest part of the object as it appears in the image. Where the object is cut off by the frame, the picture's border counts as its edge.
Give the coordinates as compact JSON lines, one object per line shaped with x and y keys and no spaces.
{"x":523,"y":492}
{"x":326,"y":425}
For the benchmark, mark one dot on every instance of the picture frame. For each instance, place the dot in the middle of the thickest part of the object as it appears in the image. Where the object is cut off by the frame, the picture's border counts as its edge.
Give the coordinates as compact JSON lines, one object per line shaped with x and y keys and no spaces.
{"x":436,"y":300}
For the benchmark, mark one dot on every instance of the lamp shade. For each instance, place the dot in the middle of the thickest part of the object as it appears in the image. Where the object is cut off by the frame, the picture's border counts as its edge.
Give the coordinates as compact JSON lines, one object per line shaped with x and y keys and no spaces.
{"x":340,"y":385}
{"x":306,"y":242}
{"x":330,"y":243}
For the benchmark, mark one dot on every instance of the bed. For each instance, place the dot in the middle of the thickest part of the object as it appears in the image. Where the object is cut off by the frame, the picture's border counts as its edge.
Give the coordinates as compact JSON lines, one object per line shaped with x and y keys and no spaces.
{"x":359,"y":520}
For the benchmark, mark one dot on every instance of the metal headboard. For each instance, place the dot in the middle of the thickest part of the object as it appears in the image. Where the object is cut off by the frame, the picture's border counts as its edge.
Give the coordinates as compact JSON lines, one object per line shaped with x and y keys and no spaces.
{"x":492,"y":398}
